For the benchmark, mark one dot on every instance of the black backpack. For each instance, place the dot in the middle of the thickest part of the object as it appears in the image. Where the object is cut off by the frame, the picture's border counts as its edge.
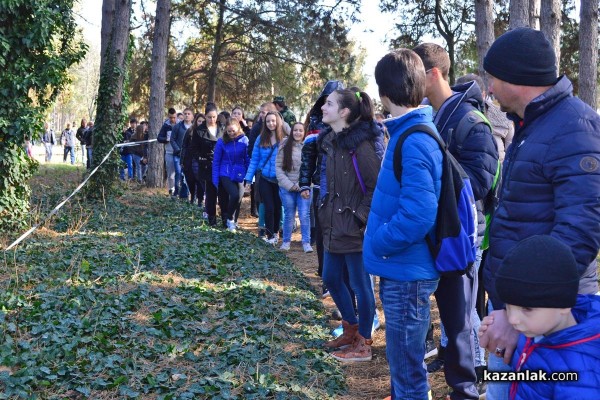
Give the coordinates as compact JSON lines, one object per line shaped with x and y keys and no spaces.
{"x":453,"y":243}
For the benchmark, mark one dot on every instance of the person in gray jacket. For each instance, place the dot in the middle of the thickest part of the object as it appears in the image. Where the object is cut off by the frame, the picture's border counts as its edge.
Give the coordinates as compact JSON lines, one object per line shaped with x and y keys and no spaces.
{"x":67,"y":138}
{"x":49,"y":140}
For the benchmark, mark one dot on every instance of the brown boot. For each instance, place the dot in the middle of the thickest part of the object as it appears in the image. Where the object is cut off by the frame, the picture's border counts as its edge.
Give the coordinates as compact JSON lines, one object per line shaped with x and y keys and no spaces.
{"x":360,"y":350}
{"x":345,"y":339}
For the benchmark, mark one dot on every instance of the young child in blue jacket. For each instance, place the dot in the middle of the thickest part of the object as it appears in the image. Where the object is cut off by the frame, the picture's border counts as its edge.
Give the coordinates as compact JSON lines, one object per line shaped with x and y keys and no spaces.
{"x":559,"y":329}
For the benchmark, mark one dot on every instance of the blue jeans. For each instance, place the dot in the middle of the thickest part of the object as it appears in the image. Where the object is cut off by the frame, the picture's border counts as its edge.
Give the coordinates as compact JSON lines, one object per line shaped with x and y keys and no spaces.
{"x":170,"y":167}
{"x":138,"y":166}
{"x":69,"y":149}
{"x":126,"y":158}
{"x":89,"y":157}
{"x":290,"y":201}
{"x":497,"y":390}
{"x":181,"y":188}
{"x":360,"y":282}
{"x":406,"y":308}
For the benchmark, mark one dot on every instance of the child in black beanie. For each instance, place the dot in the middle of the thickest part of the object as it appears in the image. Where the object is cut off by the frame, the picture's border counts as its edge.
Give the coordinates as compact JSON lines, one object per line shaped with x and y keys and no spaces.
{"x":560,"y":330}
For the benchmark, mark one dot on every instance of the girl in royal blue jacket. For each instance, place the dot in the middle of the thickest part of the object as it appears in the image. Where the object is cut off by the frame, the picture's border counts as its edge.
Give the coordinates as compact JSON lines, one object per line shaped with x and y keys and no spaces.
{"x":263,"y":159}
{"x":230,"y":163}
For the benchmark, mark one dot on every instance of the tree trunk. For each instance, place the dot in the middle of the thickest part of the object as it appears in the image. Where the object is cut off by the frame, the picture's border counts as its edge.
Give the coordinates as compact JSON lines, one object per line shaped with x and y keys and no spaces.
{"x":156,"y":158}
{"x":108,"y":13}
{"x":519,"y":13}
{"x":588,"y":53}
{"x":534,"y":14}
{"x":550,"y":25}
{"x":216,"y":54}
{"x":109,"y":120}
{"x":484,"y":31}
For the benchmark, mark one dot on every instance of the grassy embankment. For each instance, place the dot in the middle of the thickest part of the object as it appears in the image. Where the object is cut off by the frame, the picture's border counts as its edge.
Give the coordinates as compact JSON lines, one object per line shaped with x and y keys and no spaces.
{"x":134,"y":297}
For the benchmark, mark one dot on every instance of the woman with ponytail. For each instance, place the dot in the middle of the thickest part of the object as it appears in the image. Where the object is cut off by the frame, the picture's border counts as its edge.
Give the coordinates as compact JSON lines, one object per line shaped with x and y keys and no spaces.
{"x":352,"y":149}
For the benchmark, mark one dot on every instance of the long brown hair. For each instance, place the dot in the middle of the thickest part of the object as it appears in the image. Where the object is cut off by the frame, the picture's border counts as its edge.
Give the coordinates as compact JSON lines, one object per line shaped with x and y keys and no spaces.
{"x":288,"y":148}
{"x":139,"y":133}
{"x":265,"y":134}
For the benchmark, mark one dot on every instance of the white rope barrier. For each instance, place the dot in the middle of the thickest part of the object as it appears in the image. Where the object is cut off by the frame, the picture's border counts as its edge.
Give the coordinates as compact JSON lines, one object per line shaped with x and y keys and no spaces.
{"x":61,"y":204}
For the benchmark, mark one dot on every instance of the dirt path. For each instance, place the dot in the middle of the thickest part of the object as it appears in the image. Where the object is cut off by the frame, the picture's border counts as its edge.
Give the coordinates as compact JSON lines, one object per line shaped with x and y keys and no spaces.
{"x":365,"y":380}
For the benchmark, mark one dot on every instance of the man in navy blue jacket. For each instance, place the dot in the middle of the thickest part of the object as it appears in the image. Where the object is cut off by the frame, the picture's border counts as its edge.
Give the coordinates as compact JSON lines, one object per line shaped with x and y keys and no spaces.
{"x":550,"y":176}
{"x":477,"y":154}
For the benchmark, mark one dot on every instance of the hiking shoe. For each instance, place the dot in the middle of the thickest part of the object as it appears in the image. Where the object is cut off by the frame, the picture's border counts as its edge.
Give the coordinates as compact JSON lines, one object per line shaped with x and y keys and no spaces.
{"x":346,"y":337}
{"x":307,"y":247}
{"x":285,"y":246}
{"x":359,"y":350}
{"x":430,"y":349}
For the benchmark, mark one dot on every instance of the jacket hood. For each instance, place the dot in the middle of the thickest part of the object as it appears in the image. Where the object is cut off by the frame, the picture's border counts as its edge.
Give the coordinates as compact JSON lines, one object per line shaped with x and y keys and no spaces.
{"x":469,"y":92}
{"x":330,"y":87}
{"x":587,"y":314}
{"x":351,"y":137}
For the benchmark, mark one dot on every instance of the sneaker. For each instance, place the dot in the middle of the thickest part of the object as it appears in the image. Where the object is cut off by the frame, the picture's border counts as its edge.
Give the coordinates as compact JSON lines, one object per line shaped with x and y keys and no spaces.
{"x":307,"y":247}
{"x":231,"y":226}
{"x":285,"y":246}
{"x":435,"y":366}
{"x":325,"y":292}
{"x":204,"y":215}
{"x":376,"y":323}
{"x":430,"y":349}
{"x":272,"y":241}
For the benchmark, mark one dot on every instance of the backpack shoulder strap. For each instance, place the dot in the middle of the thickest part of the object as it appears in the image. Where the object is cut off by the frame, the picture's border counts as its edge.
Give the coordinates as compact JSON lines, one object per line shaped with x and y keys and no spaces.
{"x":467,"y":122}
{"x":398,"y":149}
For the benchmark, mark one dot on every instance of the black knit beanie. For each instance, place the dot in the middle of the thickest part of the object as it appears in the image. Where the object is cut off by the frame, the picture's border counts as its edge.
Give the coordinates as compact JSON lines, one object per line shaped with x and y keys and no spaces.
{"x":522,"y":56}
{"x":539,"y":271}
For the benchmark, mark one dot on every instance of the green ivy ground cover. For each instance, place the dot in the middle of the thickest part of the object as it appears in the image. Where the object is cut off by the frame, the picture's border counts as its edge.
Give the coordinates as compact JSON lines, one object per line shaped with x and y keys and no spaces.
{"x":143,"y":301}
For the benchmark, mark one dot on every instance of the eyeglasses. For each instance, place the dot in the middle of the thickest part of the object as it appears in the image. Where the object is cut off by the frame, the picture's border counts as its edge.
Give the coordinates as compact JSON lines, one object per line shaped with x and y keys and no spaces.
{"x":230,"y":132}
{"x":428,"y":71}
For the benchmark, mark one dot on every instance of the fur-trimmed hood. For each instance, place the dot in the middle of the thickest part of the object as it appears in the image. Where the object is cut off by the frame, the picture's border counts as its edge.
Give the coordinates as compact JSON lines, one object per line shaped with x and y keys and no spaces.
{"x":351,"y":137}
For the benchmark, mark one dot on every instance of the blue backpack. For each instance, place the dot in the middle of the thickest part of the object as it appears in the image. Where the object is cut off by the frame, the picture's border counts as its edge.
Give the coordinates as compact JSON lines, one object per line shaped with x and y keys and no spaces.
{"x":452,"y":245}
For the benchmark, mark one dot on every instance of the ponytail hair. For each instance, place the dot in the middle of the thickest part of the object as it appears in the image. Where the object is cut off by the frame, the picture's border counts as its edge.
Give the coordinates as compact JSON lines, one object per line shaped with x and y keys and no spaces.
{"x":359,"y":103}
{"x":210,"y":106}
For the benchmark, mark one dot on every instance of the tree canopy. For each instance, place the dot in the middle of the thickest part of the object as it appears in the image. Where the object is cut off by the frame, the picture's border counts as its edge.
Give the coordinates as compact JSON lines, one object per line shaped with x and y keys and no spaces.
{"x":244,"y":52}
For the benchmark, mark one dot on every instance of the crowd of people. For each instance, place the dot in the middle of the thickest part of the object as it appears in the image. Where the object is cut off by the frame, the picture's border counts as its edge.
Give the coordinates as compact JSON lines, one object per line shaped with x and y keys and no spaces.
{"x":336,"y":171}
{"x":537,"y":236}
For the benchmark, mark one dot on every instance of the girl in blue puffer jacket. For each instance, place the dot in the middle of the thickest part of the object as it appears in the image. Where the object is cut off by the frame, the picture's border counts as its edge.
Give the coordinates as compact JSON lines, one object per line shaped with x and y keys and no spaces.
{"x":263,"y":159}
{"x":230,"y":163}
